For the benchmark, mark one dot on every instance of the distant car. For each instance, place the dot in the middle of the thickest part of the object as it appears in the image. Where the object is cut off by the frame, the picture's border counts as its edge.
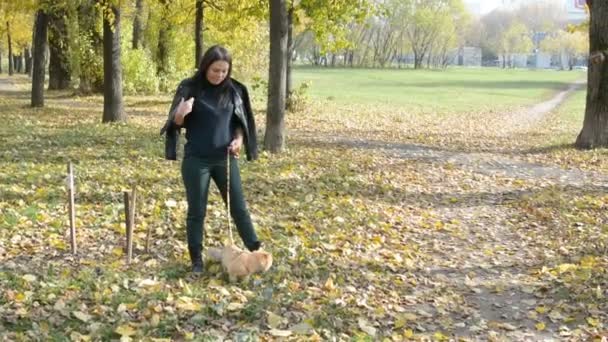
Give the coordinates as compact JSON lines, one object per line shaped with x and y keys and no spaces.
{"x":580,"y":67}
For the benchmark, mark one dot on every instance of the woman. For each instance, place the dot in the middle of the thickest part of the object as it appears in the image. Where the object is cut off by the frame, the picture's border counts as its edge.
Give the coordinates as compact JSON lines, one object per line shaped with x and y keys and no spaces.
{"x":216,"y":113}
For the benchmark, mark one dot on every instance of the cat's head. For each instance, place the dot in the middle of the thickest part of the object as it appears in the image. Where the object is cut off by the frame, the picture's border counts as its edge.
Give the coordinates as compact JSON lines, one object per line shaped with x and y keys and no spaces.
{"x":264,"y":260}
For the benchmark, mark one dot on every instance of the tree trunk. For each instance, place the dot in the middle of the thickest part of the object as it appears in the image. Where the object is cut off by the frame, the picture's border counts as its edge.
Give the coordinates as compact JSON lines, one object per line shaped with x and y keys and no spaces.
{"x":1,"y":61}
{"x":59,"y":64}
{"x":39,"y":63}
{"x":290,"y":48}
{"x":274,"y":139}
{"x":10,"y":49}
{"x":162,"y":54}
{"x":595,"y":125}
{"x":138,"y":25}
{"x":91,"y":73}
{"x":198,"y":33}
{"x":112,"y":72}
{"x":20,"y":64}
{"x":28,"y":60}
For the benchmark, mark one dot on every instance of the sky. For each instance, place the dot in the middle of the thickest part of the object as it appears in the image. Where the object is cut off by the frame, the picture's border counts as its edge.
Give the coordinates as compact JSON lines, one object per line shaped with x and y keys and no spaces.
{"x":485,"y":6}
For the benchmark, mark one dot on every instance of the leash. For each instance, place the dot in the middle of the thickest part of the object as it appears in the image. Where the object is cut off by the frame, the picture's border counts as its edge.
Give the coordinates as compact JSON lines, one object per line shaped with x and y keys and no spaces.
{"x":228,"y":195}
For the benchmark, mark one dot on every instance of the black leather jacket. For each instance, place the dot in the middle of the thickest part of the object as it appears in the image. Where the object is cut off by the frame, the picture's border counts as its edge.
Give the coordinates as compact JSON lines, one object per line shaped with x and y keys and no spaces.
{"x":242,"y":109}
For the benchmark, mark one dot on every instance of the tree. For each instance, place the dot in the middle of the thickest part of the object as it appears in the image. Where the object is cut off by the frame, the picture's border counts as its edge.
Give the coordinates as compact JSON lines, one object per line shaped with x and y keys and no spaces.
{"x":329,"y":20}
{"x":426,"y":22}
{"x":595,"y":125}
{"x":137,"y":34}
{"x":515,"y":40}
{"x":541,"y":18}
{"x":567,"y":45}
{"x":60,"y":73}
{"x":162,"y":51}
{"x":274,"y":139}
{"x":198,"y":33}
{"x":112,"y":81}
{"x":40,"y":45}
{"x":89,"y":42}
{"x":494,"y":24}
{"x":10,"y":49}
{"x":138,"y":25}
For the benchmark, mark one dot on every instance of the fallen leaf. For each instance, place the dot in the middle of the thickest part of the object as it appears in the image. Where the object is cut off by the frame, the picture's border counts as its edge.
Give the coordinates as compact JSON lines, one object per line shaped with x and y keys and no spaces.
{"x":125,"y":330}
{"x":366,"y":327}
{"x":279,"y":333}
{"x":82,"y":316}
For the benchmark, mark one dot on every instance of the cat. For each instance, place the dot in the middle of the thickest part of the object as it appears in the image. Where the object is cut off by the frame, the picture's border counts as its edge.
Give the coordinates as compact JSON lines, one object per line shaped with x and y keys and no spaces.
{"x":240,"y":264}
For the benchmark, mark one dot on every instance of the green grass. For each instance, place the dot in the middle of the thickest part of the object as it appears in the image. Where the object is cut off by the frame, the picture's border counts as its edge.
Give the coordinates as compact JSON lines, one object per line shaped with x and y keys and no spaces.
{"x":452,"y":90}
{"x":572,"y":111}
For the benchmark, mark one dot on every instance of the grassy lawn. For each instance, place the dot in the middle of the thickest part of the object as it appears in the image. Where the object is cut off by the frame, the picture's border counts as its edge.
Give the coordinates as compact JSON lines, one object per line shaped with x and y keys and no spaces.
{"x":357,"y":233}
{"x":454,"y":90}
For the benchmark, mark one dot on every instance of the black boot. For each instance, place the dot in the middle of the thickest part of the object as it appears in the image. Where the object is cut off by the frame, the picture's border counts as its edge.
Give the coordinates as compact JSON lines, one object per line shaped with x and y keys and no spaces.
{"x":196,"y":259}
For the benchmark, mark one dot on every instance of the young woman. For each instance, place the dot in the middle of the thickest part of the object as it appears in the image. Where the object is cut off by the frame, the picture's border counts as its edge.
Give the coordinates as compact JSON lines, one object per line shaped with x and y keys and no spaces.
{"x":216,"y":112}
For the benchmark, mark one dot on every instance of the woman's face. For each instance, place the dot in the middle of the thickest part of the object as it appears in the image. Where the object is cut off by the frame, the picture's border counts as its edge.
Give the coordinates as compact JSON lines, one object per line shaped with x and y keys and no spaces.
{"x":217,"y":72}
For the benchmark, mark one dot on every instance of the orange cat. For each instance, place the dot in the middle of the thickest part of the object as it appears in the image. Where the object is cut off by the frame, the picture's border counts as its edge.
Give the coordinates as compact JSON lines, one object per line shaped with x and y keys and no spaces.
{"x":239,"y":263}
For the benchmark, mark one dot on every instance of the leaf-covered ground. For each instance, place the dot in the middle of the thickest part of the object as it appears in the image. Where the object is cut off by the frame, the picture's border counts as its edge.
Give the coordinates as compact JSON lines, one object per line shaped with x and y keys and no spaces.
{"x":385,"y":223}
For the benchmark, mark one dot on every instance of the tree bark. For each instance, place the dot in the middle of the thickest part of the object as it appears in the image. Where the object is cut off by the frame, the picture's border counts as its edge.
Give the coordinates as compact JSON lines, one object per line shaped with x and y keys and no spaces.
{"x":112,"y":73}
{"x":39,"y":62}
{"x":162,"y":56}
{"x":60,"y":73}
{"x":198,"y":33}
{"x":274,"y":139}
{"x":10,"y":49}
{"x":1,"y":61}
{"x":28,"y":60}
{"x":91,"y":76}
{"x":138,"y":25}
{"x":17,"y":64}
{"x":595,"y":125}
{"x":290,"y":48}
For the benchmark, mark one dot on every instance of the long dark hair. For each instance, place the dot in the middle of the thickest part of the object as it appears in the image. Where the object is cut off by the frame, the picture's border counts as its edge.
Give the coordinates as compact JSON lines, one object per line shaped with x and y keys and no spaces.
{"x":214,"y":54}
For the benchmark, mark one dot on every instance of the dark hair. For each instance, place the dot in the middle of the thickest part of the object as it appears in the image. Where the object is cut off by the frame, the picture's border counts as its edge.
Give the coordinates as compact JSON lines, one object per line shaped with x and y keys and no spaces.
{"x":214,"y":54}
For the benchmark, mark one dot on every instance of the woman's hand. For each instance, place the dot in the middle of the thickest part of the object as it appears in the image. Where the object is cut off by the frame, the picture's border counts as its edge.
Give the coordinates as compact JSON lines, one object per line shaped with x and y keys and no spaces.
{"x":235,"y":146}
{"x":183,"y":108}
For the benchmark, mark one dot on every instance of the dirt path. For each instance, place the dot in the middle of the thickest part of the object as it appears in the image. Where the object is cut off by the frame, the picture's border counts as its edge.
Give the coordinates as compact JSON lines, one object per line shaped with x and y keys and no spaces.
{"x":488,"y":266}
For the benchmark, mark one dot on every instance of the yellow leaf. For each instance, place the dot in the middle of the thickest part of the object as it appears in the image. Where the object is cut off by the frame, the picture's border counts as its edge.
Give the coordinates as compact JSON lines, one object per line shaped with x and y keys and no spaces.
{"x":329,"y":284}
{"x":540,"y":326}
{"x":125,"y":330}
{"x":400,"y":322}
{"x":408,"y":333}
{"x":186,"y":304}
{"x":19,"y":297}
{"x":541,"y":309}
{"x":593,"y":321}
{"x":440,"y":337}
{"x":565,"y":267}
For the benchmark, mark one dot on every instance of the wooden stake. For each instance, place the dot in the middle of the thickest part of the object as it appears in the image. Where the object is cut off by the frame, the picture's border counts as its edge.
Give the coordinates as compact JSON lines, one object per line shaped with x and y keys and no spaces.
{"x":148,"y":236}
{"x":71,"y":208}
{"x":131,"y":225}
{"x":129,"y":199}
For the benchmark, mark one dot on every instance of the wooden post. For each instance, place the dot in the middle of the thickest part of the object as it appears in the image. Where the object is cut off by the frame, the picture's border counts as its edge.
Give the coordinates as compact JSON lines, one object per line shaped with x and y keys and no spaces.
{"x":129,"y":199}
{"x":131,"y":225}
{"x":71,"y":208}
{"x":148,"y":236}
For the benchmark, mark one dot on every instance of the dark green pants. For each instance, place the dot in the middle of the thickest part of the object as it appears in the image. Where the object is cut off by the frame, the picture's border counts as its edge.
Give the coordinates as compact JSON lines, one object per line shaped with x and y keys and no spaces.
{"x":197,"y":173}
